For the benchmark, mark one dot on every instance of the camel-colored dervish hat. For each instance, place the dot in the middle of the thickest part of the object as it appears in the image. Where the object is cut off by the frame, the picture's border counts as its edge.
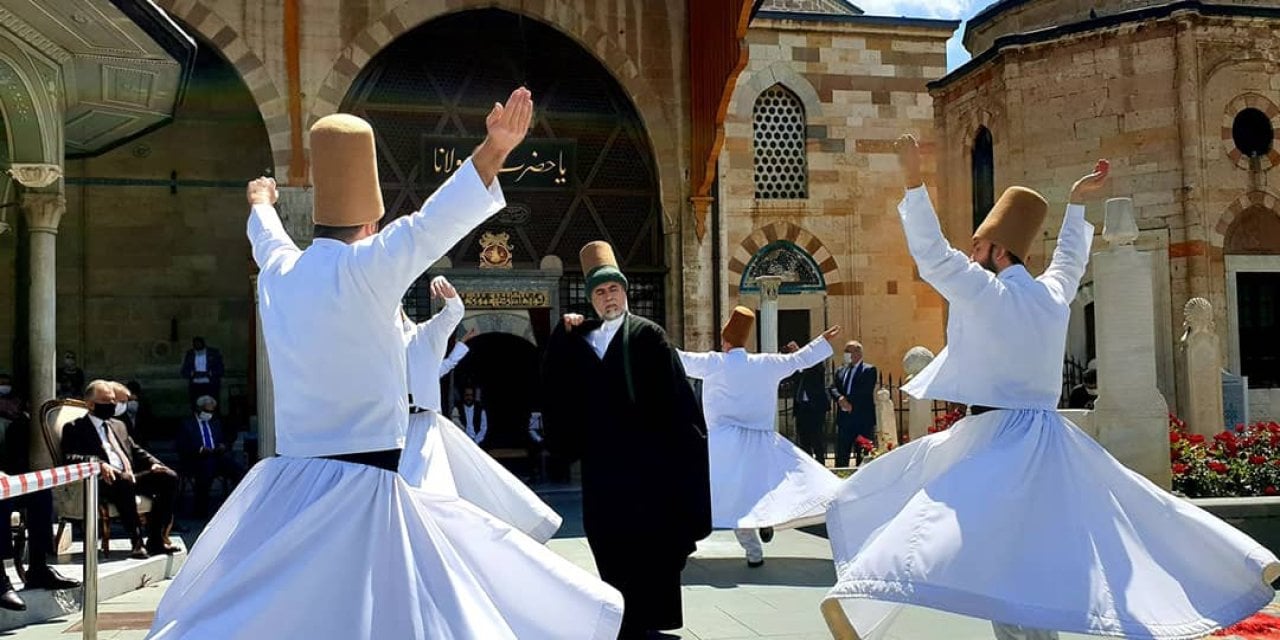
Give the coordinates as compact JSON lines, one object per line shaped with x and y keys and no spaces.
{"x":344,"y":172}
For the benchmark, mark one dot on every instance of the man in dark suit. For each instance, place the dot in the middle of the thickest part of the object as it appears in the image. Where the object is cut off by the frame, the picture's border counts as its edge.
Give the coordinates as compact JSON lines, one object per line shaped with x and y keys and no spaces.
{"x":127,"y":469}
{"x":202,"y":369}
{"x":810,"y":405}
{"x":854,"y":390}
{"x":204,"y":452}
{"x":15,"y":434}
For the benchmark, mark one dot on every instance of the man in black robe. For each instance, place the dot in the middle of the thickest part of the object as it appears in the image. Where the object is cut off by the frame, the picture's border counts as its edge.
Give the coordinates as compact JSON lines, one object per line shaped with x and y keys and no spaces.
{"x":617,"y":398}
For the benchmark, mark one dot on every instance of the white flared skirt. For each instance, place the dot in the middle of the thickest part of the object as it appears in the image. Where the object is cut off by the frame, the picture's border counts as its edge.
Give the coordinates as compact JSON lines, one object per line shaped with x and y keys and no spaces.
{"x":315,"y":548}
{"x":440,"y":458}
{"x":1022,"y":518}
{"x":759,"y":479}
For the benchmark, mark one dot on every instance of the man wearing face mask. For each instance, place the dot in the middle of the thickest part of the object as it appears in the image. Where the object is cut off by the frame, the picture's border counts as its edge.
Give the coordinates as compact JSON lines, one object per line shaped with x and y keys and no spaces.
{"x":853,"y":389}
{"x":128,"y":470}
{"x":204,"y":453}
{"x":70,"y":377}
{"x":618,"y":399}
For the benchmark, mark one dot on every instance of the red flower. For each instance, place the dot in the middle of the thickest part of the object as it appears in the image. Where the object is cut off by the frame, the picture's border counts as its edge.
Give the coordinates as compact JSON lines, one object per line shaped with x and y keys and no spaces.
{"x":1218,"y":467}
{"x":890,"y":446}
{"x":864,"y":443}
{"x":1174,"y":437}
{"x":1270,"y":490}
{"x":1256,"y":459}
{"x":1239,"y":428}
{"x":1196,"y":438}
{"x":1179,"y":469}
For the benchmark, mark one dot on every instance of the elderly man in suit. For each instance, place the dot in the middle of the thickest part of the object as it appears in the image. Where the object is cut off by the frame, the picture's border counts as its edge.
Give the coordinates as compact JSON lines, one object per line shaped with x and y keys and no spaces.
{"x":854,"y":390}
{"x":202,"y":369}
{"x":128,"y":470}
{"x":204,"y":452}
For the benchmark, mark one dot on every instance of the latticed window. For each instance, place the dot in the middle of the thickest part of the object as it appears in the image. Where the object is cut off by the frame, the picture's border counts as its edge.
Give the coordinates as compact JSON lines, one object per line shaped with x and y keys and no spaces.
{"x":779,"y":133}
{"x":644,"y":295}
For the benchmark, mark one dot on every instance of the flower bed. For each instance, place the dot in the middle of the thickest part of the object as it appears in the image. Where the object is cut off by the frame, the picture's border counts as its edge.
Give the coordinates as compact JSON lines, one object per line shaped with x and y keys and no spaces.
{"x":1241,"y":462}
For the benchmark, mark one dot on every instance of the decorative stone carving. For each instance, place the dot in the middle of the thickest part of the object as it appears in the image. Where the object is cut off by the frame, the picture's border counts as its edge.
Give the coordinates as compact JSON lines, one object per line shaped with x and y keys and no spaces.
{"x":1198,"y":317}
{"x":552,"y":264}
{"x":916,"y":360}
{"x":44,"y":210}
{"x":769,"y":286}
{"x":35,"y":176}
{"x":1119,"y":228}
{"x":886,"y":421}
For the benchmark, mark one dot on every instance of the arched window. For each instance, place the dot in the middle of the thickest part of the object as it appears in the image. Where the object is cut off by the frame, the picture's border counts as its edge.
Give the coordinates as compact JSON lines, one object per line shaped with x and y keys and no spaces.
{"x":984,"y":176}
{"x":778,"y":127}
{"x":800,"y":272}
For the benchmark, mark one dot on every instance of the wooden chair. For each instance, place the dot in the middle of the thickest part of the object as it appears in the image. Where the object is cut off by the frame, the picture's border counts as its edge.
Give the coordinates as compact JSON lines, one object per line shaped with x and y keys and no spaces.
{"x":68,"y":500}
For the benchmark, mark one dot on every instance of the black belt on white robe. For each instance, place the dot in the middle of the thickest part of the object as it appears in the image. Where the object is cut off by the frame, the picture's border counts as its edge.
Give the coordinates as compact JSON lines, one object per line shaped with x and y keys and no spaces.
{"x":977,"y":409}
{"x":387,"y":459}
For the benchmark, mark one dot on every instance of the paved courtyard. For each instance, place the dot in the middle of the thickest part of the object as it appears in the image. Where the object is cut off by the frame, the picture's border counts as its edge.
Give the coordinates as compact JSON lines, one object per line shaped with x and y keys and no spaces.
{"x":723,"y":599}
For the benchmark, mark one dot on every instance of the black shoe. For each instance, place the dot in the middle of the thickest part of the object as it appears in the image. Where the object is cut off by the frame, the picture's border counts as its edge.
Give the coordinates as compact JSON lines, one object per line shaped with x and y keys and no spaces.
{"x":47,"y":577}
{"x":162,"y":549}
{"x":766,"y":534}
{"x":10,"y":600}
{"x":755,"y":565}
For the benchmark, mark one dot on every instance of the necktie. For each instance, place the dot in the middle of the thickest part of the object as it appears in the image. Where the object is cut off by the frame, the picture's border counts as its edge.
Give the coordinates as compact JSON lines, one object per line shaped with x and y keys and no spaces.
{"x":205,"y":436}
{"x":111,"y":442}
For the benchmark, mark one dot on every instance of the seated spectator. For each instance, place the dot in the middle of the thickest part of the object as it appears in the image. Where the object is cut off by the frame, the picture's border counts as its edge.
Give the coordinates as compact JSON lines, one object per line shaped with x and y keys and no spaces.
{"x":470,"y":415}
{"x":128,"y":470}
{"x":205,"y":455}
{"x":15,"y":439}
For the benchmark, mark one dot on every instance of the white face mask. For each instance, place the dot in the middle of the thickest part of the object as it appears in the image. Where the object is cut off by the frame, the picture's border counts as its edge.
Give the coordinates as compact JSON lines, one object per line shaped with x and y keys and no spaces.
{"x":206,"y":416}
{"x":5,"y":389}
{"x":120,"y":408}
{"x":132,"y":405}
{"x":848,"y":358}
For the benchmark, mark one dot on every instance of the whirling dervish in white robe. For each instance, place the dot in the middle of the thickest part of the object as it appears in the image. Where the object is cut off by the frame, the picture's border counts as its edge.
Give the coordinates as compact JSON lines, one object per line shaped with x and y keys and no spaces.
{"x":440,"y":457}
{"x":759,"y":479}
{"x":1015,"y":515}
{"x":327,"y":540}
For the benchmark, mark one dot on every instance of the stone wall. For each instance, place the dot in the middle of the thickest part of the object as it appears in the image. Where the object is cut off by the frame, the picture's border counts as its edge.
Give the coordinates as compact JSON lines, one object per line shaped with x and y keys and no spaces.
{"x":861,"y":85}
{"x":1155,"y":98}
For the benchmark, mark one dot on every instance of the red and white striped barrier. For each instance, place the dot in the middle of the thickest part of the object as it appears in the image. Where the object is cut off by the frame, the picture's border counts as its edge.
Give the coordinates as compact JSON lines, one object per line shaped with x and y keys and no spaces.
{"x":13,"y":486}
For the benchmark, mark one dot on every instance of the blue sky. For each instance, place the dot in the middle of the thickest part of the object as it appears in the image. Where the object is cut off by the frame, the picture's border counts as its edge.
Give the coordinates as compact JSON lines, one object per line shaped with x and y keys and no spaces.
{"x":951,"y":9}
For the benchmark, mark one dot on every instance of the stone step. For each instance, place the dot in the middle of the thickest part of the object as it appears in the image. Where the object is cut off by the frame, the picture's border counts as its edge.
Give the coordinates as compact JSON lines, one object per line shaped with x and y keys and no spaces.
{"x":116,"y":577}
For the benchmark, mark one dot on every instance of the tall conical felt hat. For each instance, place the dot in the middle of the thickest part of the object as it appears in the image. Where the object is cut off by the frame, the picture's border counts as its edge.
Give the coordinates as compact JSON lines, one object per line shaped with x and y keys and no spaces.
{"x":599,"y":265}
{"x":1015,"y":220}
{"x":344,"y":172}
{"x":738,"y":328}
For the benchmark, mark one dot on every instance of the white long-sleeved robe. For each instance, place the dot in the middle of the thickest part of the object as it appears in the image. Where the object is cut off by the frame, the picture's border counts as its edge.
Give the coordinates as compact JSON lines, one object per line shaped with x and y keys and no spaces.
{"x":758,"y":478}
{"x":442,"y":458}
{"x":272,"y":562}
{"x":1016,"y":515}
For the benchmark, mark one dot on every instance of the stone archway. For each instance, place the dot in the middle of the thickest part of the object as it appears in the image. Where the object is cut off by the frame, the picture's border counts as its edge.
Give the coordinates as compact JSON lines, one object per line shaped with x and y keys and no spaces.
{"x":785,"y":231}
{"x":272,"y":104}
{"x":1246,"y":203}
{"x":567,"y":18}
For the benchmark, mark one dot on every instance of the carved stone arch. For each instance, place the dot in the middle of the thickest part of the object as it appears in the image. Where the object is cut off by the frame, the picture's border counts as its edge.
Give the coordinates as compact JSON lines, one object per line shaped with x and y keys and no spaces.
{"x":33,"y":122}
{"x":802,"y":239}
{"x":273,"y":105}
{"x":510,"y":322}
{"x":563,"y":16}
{"x":1249,"y":202}
{"x":746,"y":93}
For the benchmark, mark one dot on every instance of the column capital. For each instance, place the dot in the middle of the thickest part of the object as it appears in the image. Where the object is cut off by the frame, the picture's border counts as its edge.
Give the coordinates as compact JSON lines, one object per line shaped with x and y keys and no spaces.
{"x":34,"y":175}
{"x":769,"y":286}
{"x":44,"y":210}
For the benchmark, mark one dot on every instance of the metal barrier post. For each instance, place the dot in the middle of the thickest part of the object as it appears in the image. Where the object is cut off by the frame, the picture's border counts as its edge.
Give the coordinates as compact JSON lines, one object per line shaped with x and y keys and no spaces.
{"x":89,"y":622}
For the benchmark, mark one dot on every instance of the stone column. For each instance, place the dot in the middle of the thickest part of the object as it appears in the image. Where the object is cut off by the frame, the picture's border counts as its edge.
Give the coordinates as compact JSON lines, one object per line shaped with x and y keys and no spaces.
{"x":1202,"y":369}
{"x":769,"y":313}
{"x":44,"y":211}
{"x":1131,"y":417}
{"x":886,"y":420}
{"x":920,"y":410}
